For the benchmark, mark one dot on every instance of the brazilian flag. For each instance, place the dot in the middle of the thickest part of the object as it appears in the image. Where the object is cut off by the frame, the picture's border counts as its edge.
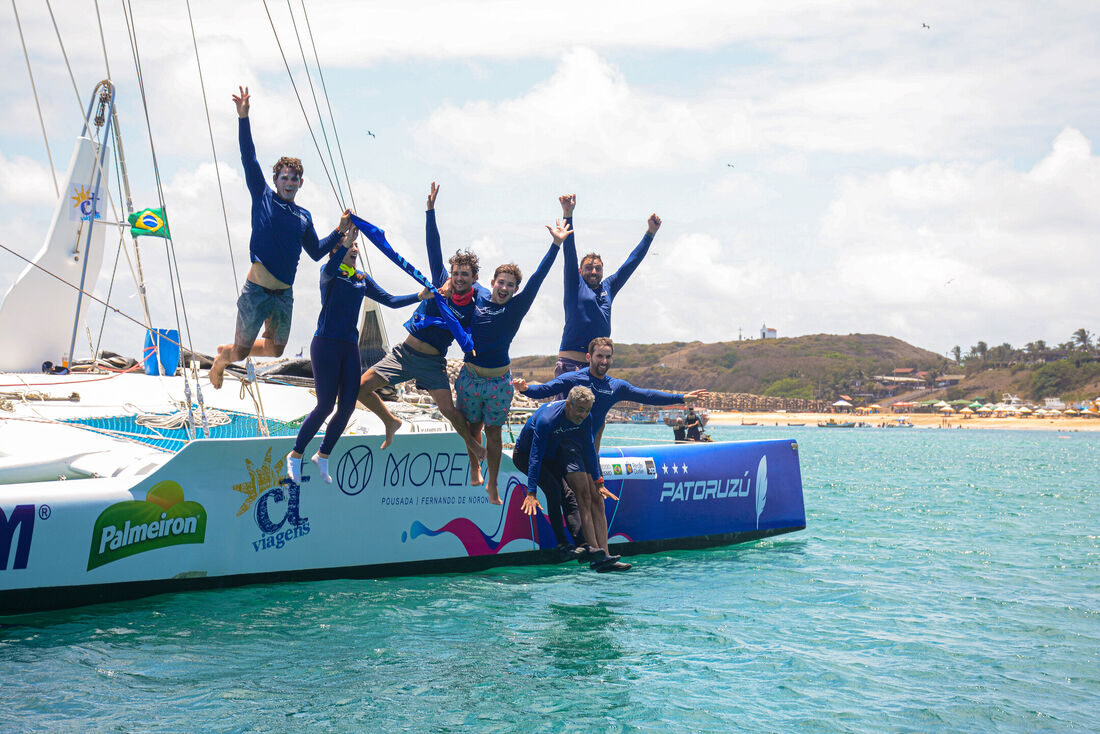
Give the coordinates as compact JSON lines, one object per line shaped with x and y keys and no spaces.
{"x":149,"y":222}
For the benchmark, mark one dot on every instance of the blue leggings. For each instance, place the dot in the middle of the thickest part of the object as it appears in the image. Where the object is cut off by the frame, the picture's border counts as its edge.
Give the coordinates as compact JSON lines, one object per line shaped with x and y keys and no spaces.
{"x":336,"y":373}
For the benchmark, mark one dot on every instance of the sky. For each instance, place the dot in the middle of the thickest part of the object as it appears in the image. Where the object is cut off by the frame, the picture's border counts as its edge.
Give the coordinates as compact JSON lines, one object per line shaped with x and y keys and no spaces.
{"x":819,"y":167}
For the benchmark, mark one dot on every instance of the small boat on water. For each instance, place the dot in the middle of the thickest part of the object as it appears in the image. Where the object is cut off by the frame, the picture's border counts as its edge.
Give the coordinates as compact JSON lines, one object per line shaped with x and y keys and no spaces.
{"x":118,"y":484}
{"x":834,"y":424}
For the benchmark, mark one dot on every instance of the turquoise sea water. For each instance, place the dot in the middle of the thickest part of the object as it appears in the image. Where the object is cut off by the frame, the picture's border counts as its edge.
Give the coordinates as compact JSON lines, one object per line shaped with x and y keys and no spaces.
{"x":946,"y":581}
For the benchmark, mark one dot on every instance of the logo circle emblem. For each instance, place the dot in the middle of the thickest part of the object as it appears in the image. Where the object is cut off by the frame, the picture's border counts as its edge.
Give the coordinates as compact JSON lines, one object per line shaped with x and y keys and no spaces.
{"x":354,"y":471}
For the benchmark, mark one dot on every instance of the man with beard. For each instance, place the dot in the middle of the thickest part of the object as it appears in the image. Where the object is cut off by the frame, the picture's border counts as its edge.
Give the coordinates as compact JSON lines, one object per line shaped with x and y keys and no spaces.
{"x":607,"y":390}
{"x":588,"y":295}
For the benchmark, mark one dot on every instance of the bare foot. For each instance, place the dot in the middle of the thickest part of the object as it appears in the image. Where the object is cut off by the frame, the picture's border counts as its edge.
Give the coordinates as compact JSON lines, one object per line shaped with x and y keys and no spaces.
{"x":494,"y":495}
{"x":391,"y":429}
{"x":475,"y":475}
{"x":477,"y":450}
{"x":217,"y":370}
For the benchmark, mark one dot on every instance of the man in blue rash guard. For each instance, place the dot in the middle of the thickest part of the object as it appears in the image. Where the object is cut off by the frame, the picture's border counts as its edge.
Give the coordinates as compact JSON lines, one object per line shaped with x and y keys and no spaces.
{"x":543,"y":436}
{"x":588,"y":295}
{"x":334,"y":351}
{"x":421,"y":356}
{"x":484,"y":386}
{"x":280,"y":231}
{"x":608,"y":390}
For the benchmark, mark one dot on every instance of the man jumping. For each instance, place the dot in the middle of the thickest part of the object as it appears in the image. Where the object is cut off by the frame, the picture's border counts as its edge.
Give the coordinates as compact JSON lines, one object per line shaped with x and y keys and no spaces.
{"x":422,"y":356}
{"x":484,"y":386}
{"x":588,"y":295}
{"x":280,"y":231}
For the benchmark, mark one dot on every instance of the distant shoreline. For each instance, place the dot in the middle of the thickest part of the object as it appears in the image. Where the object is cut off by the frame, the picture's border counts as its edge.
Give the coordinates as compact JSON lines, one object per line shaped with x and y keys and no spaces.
{"x":919,"y":420}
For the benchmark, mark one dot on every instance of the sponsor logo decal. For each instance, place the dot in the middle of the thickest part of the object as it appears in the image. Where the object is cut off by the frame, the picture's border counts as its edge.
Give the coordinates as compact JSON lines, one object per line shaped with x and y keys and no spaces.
{"x":163,"y":519}
{"x":85,"y":205}
{"x":728,"y":488}
{"x":275,"y":503}
{"x":355,"y":469}
{"x":629,"y":467}
{"x":21,"y":520}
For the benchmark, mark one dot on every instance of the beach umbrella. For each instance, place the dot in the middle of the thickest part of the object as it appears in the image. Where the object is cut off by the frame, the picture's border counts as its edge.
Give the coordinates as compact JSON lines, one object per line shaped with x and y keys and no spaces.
{"x":985,"y":409}
{"x":1024,"y":411}
{"x":1070,"y":411}
{"x":947,"y":409}
{"x":842,"y":404}
{"x":975,"y":405}
{"x":967,"y":411}
{"x":942,"y":404}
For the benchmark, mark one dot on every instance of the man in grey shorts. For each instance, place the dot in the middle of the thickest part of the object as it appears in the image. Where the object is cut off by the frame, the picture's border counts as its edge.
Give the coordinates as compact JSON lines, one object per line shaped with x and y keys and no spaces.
{"x":422,"y":356}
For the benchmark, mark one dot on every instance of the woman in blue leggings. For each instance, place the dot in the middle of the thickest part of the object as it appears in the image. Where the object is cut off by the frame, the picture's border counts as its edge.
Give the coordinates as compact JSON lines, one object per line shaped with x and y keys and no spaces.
{"x":335,"y":351}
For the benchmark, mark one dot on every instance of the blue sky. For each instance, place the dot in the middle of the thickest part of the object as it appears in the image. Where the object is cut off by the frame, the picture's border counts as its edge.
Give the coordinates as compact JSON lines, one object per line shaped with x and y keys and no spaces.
{"x":934,"y":184}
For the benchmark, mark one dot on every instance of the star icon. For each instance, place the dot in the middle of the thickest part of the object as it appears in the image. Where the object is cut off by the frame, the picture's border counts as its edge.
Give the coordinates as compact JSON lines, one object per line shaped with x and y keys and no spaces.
{"x":685,"y":468}
{"x":675,"y":469}
{"x":665,"y":468}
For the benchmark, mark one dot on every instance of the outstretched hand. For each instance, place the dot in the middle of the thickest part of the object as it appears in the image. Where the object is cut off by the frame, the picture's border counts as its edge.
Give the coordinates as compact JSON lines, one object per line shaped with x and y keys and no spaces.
{"x":446,"y":289}
{"x":519,"y":384}
{"x":568,"y":202}
{"x":606,"y":493}
{"x":531,"y":505}
{"x":431,"y":197}
{"x":349,"y":236}
{"x":559,"y":232}
{"x":701,"y":394}
{"x":242,"y":101}
{"x":345,"y":221}
{"x":654,"y":223}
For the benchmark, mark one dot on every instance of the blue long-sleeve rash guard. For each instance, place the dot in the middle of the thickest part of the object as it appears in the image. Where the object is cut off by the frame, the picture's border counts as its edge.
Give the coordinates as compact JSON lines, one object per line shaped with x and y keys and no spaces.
{"x":495,"y":325}
{"x":543,"y":433}
{"x":342,"y":296}
{"x":280,"y":229}
{"x":608,"y":391}
{"x":438,"y":336}
{"x":588,"y":312}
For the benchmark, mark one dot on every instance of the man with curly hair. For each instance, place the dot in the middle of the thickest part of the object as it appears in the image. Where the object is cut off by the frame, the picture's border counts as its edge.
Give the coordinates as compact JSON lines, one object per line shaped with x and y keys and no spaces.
{"x":422,"y":356}
{"x":280,"y":231}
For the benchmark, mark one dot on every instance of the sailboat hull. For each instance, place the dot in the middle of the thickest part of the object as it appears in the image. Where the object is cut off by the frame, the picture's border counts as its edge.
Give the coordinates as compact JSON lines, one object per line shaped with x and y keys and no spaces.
{"x":223,"y":513}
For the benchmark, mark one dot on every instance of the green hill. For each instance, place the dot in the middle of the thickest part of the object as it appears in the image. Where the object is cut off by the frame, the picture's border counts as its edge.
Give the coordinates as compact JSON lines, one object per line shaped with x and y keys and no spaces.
{"x":818,"y":366}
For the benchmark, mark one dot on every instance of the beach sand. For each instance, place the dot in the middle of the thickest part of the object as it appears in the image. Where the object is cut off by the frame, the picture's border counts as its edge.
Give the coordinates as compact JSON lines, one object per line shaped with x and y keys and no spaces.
{"x":919,"y":420}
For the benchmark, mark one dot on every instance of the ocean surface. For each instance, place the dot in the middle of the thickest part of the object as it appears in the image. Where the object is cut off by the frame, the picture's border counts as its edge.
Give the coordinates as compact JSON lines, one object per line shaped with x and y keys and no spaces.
{"x":947,"y":580}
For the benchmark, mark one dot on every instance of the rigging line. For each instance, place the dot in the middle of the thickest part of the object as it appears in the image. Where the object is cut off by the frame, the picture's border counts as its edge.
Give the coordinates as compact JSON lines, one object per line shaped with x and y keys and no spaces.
{"x":316,"y":104}
{"x":131,"y":30}
{"x":78,"y":288}
{"x":65,"y":56}
{"x":110,"y":289}
{"x":332,"y":119}
{"x":103,"y":42}
{"x":213,"y":150}
{"x":34,"y":89}
{"x":305,"y":116}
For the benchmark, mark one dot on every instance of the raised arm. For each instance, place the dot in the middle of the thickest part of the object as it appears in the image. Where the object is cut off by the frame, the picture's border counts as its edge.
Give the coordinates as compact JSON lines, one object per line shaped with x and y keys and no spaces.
{"x":618,"y":279}
{"x":376,"y":292}
{"x":437,"y":270}
{"x":318,"y":248}
{"x":253,"y":174}
{"x":526,"y":297}
{"x":642,"y":395}
{"x":569,"y":253}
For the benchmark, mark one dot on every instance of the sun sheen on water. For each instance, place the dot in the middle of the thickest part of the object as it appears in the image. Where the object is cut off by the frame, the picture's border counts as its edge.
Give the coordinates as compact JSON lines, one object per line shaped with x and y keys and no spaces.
{"x":933,"y":567}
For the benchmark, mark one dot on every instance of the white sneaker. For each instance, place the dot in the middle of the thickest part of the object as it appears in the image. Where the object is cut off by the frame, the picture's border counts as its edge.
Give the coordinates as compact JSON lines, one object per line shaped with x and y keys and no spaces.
{"x":294,"y":468}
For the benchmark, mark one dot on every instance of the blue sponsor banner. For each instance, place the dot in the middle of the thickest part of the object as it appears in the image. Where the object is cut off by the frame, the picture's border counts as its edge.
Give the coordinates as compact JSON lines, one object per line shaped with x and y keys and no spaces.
{"x":705,"y":489}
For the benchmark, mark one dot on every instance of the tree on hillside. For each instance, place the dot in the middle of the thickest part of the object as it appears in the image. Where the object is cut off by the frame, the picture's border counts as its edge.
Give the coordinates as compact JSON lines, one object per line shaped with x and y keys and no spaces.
{"x":1083,"y":339}
{"x":982,"y":349}
{"x":956,"y":352}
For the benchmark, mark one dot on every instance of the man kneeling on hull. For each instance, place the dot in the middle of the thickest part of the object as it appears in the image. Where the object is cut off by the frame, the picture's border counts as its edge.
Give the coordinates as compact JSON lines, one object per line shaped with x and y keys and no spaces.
{"x":549,"y":435}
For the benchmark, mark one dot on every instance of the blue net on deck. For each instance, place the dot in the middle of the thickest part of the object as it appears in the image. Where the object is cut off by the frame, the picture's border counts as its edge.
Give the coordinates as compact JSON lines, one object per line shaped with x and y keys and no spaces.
{"x":241,"y":425}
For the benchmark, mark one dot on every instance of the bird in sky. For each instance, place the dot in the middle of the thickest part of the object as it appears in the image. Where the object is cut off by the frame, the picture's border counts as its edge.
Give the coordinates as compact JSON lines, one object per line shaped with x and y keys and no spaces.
{"x":949,"y":282}
{"x":925,"y":25}
{"x":730,"y":165}
{"x":370,"y":133}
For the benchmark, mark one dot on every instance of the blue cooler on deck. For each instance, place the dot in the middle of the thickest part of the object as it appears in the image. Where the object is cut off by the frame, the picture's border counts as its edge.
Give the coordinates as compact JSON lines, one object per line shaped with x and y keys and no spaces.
{"x":164,"y":342}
